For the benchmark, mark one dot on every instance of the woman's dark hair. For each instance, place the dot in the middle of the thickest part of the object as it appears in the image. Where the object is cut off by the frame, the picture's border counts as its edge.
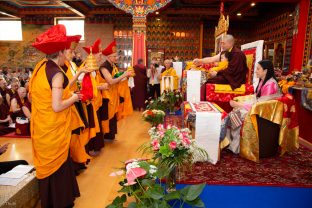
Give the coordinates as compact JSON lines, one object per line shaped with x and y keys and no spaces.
{"x":266,"y":65}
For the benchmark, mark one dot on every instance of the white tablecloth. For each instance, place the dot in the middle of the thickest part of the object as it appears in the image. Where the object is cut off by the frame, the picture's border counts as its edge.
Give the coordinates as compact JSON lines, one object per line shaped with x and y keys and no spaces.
{"x":207,"y":129}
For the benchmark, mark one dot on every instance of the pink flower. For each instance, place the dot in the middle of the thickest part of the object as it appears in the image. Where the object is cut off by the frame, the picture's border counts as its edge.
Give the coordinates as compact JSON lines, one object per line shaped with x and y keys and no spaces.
{"x":173,"y":145}
{"x":133,"y":174}
{"x":181,"y":136}
{"x":160,"y":127}
{"x":169,"y":126}
{"x":161,"y":134}
{"x":184,"y":133}
{"x":134,"y":160}
{"x":155,"y":145}
{"x":186,"y":142}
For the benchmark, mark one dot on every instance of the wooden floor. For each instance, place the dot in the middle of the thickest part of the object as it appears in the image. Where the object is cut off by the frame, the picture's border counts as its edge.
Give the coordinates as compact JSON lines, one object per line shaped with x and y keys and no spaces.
{"x":97,"y":188}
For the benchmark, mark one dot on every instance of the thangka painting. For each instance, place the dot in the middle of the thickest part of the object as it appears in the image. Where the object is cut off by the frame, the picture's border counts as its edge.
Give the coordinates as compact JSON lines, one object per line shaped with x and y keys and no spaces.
{"x":21,"y":53}
{"x":254,"y":53}
{"x":139,"y":8}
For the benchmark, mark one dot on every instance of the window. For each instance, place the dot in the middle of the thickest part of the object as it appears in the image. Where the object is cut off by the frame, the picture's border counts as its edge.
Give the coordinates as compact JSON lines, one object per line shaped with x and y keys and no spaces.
{"x":11,"y":30}
{"x":73,"y":26}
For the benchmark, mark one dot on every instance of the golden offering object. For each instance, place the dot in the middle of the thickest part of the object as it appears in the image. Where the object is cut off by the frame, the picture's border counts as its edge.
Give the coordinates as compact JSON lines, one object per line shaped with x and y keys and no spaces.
{"x":308,"y":84}
{"x":91,"y":62}
{"x":190,"y":65}
{"x":130,"y":68}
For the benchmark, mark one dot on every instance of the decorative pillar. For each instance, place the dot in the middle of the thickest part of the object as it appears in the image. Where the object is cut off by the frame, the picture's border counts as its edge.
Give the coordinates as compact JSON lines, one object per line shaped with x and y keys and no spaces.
{"x":301,"y":20}
{"x":139,"y":40}
{"x":139,"y":9}
{"x":201,"y":38}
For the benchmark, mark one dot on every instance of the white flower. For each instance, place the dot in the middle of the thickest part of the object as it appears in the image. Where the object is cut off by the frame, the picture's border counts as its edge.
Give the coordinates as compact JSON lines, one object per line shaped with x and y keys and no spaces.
{"x":132,"y":165}
{"x":152,"y":171}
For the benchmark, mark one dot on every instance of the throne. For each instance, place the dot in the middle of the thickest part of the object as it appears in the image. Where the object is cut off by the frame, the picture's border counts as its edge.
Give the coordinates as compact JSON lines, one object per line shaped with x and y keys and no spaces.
{"x":222,"y":93}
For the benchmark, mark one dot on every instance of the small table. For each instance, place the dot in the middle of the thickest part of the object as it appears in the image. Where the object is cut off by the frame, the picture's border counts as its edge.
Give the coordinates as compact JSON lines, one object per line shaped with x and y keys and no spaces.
{"x":206,"y":121}
{"x":25,"y":194}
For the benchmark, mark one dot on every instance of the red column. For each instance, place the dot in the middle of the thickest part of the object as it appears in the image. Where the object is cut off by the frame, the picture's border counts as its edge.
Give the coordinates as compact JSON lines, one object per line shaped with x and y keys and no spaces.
{"x":299,"y":37}
{"x":139,"y":43}
{"x":138,"y":48}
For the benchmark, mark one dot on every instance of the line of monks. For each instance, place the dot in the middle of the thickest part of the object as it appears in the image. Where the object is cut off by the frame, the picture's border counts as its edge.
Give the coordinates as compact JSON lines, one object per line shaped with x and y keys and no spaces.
{"x":73,"y":110}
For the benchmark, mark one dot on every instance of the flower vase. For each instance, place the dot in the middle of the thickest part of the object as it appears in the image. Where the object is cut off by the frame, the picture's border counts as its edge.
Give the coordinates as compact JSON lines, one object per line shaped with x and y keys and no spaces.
{"x":171,"y":181}
{"x":171,"y":110}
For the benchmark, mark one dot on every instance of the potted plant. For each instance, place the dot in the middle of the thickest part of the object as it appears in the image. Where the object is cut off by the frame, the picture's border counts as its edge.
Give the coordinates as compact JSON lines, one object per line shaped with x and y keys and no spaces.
{"x":139,"y":185}
{"x":172,"y":148}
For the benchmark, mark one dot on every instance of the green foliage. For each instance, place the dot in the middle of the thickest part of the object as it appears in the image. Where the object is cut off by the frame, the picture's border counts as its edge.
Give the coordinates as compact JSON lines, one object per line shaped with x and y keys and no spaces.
{"x":167,"y":100}
{"x":150,"y":194}
{"x":156,"y":197}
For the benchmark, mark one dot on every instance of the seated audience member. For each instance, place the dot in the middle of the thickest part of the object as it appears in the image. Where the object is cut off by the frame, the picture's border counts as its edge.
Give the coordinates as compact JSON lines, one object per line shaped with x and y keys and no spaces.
{"x":235,"y":73}
{"x":5,"y":118}
{"x":267,"y":89}
{"x":15,"y":84}
{"x":20,"y":106}
{"x":170,"y":71}
{"x":9,"y":165}
{"x":4,"y":92}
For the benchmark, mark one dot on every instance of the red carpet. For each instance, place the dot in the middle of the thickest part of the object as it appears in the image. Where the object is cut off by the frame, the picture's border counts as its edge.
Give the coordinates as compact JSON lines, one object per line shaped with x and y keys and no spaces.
{"x":13,"y":135}
{"x":291,"y":170}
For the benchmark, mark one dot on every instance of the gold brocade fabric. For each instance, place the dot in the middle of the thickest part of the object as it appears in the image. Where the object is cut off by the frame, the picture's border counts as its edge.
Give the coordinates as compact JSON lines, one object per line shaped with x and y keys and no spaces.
{"x":225,"y":88}
{"x":273,"y":111}
{"x":224,"y":143}
{"x":309,"y":96}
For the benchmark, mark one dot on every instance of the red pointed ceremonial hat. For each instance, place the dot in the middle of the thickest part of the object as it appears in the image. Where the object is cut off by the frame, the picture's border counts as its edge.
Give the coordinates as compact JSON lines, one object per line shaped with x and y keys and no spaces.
{"x":52,"y":41}
{"x":111,"y":48}
{"x":72,"y":41}
{"x":95,"y":47}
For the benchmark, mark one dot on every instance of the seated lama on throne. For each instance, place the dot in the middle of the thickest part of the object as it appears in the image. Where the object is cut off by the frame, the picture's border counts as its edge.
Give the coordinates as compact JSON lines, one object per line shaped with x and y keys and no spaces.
{"x":235,"y":74}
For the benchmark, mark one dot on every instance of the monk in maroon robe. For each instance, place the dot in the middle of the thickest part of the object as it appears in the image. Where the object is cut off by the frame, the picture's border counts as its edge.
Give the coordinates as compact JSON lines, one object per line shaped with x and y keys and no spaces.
{"x":5,"y":118}
{"x":5,"y":93}
{"x":140,"y":86}
{"x":235,"y":74}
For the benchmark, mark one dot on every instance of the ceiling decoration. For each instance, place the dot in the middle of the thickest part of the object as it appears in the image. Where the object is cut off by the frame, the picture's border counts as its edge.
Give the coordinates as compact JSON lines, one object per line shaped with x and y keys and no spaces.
{"x":205,"y":9}
{"x":139,"y":8}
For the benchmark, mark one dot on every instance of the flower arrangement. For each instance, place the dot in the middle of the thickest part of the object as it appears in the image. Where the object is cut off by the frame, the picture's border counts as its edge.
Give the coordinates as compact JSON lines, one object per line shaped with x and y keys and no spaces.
{"x":154,"y":117}
{"x":156,"y":104}
{"x":139,"y":182}
{"x":173,"y":99}
{"x":168,"y":100}
{"x":173,"y":147}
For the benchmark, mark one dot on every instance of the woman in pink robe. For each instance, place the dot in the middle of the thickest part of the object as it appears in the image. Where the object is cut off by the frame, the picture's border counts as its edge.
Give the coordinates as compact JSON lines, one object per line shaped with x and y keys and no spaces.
{"x":267,"y":89}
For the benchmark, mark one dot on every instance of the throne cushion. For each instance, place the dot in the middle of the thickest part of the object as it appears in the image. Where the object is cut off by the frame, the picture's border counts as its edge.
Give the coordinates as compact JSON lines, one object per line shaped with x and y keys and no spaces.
{"x":214,"y":92}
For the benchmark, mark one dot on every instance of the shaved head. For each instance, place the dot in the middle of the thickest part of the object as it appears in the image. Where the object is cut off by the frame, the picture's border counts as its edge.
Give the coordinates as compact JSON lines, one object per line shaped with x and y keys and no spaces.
{"x":229,"y":38}
{"x":227,"y":42}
